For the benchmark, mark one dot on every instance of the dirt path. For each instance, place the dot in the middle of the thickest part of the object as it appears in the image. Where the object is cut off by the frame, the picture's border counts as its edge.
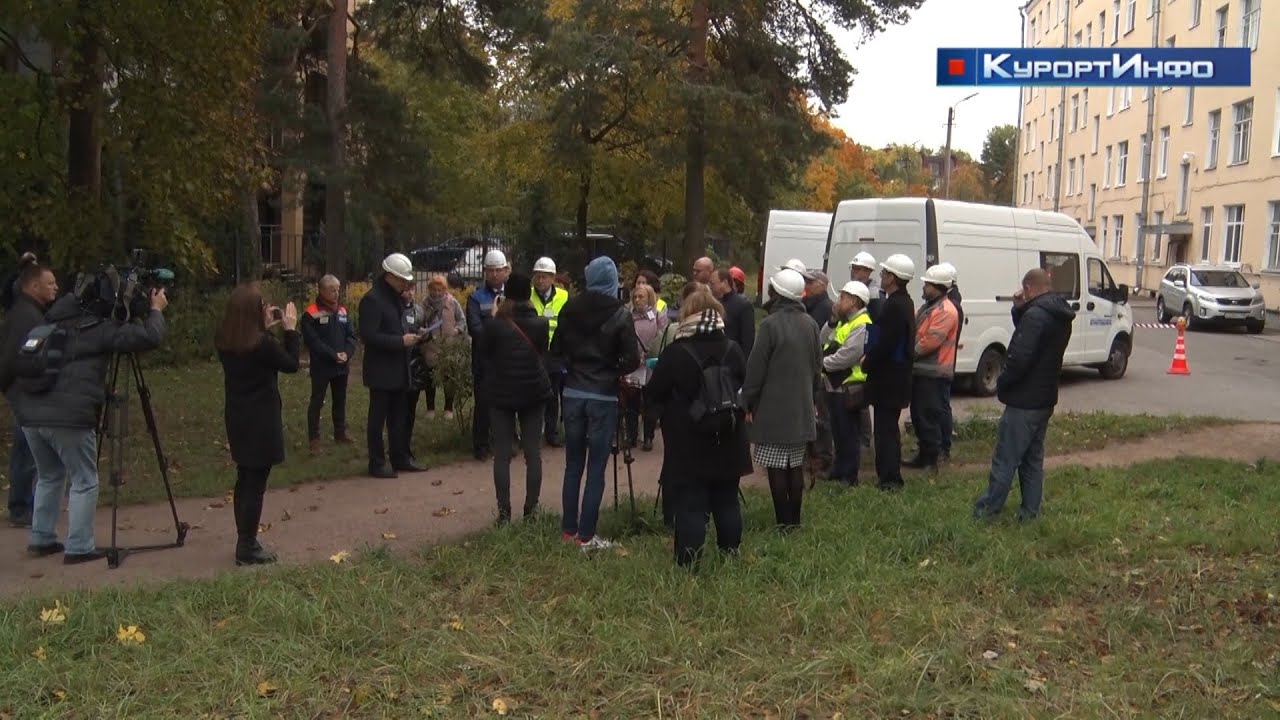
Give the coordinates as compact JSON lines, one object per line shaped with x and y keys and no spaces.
{"x":309,"y":523}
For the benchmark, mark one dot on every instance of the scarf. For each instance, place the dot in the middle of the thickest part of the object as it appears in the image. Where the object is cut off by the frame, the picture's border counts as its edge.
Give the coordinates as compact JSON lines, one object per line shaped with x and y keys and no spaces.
{"x":705,"y":322}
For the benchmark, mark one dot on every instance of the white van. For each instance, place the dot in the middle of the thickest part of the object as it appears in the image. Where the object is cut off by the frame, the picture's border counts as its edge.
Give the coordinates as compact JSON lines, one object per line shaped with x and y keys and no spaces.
{"x":793,"y":234}
{"x":992,"y":247}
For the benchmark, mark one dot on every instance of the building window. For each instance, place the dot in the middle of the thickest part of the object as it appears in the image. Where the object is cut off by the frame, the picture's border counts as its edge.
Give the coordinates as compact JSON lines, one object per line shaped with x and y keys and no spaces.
{"x":1093,"y":199}
{"x":1031,"y":33}
{"x":1196,"y":6}
{"x":1220,"y":25}
{"x":1215,"y":133}
{"x":1162,"y":165}
{"x":1115,"y":27}
{"x":1171,"y":42}
{"x":1104,"y":235}
{"x":1122,"y":163}
{"x":1184,"y":187}
{"x":1053,"y":123}
{"x":1241,"y":130}
{"x":1118,"y":221}
{"x":1275,"y":148}
{"x":1075,"y":113}
{"x":1097,"y":128}
{"x":1071,"y":176}
{"x":1130,"y":16}
{"x":1273,"y":237}
{"x":1206,"y":233}
{"x":1106,"y":168}
{"x":1189,"y":113}
{"x":1102,"y":28}
{"x":1126,"y":97}
{"x":1157,"y":237}
{"x":1088,"y":35}
{"x":1111,"y":101}
{"x":1250,"y":11}
{"x":1233,"y":233}
{"x":1144,"y":162}
{"x":1084,"y":108}
{"x":1079,"y":39}
{"x":1151,"y":7}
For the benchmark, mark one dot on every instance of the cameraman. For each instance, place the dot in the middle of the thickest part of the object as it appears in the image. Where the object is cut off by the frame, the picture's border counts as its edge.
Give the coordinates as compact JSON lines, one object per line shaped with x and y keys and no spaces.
{"x":61,"y":425}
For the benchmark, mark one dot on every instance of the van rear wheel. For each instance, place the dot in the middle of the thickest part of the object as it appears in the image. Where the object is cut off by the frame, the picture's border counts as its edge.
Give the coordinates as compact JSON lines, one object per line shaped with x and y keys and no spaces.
{"x":987,"y":372}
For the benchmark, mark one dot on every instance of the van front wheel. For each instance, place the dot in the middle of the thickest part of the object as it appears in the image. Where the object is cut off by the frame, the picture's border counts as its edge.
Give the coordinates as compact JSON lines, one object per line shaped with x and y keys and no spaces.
{"x":1117,"y":362}
{"x":987,"y":372}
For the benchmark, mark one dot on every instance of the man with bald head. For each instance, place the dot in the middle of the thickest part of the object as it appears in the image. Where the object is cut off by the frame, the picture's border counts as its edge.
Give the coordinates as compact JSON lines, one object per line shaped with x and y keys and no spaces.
{"x":1028,"y":387}
{"x":703,"y":268}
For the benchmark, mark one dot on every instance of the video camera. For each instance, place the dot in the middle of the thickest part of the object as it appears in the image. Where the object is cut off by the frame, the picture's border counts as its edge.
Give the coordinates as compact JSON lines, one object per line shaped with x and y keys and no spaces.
{"x":122,"y":293}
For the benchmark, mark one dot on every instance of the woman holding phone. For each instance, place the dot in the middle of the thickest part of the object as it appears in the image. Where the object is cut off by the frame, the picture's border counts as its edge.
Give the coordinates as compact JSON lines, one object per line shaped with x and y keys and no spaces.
{"x":252,"y":359}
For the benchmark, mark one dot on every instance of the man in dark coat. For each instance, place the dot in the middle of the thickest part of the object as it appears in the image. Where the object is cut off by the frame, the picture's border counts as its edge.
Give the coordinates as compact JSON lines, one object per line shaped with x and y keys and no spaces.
{"x":1028,"y":387}
{"x":61,"y":424}
{"x":386,"y":367}
{"x":37,"y":288}
{"x":739,"y":314}
{"x":330,"y":338}
{"x":891,"y":343}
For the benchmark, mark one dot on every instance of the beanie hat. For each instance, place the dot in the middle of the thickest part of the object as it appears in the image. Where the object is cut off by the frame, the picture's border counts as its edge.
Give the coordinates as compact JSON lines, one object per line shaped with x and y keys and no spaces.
{"x":518,"y":288}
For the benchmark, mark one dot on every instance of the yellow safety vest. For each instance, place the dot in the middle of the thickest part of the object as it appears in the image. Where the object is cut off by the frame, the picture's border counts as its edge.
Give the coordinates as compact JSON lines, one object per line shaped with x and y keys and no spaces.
{"x":661,"y":305}
{"x":842,"y":332}
{"x":551,"y":310}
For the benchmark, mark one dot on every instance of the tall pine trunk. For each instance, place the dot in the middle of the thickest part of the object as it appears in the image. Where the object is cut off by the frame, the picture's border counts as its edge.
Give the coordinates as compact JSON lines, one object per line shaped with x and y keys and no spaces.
{"x":695,"y":201}
{"x":84,"y":133}
{"x":335,"y":197}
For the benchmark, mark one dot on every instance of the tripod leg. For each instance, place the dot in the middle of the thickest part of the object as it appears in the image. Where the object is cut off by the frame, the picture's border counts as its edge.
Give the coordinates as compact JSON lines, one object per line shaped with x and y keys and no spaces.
{"x":148,"y":413}
{"x":114,"y":422}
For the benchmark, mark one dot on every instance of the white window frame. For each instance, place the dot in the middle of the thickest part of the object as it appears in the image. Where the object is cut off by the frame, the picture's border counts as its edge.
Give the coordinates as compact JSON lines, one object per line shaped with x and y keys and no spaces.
{"x":1232,"y":234}
{"x":1250,"y":18}
{"x":1206,"y":233}
{"x":1241,"y":131}
{"x":1105,"y":234}
{"x":1075,"y":112}
{"x":1093,"y":200}
{"x":1102,"y":28}
{"x":1157,"y":236}
{"x":1151,"y":7}
{"x":1197,"y":6}
{"x":1088,"y":34}
{"x":1171,"y":42}
{"x":1189,"y":110}
{"x":1084,"y":108}
{"x":1111,"y":101}
{"x":1220,"y":25}
{"x":1126,"y":97}
{"x":1162,"y":165}
{"x":1130,"y":16}
{"x":1122,"y":163}
{"x":1097,"y":129}
{"x":1184,"y":187}
{"x":1106,"y":169}
{"x":1117,"y":222}
{"x":1071,"y":176}
{"x":1115,"y":28}
{"x":1215,"y":139}
{"x":1144,"y":164}
{"x":1273,"y":236}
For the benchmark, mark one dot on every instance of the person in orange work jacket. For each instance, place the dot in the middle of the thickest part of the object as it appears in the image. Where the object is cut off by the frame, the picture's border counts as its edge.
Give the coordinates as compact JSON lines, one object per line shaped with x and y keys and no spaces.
{"x":937,"y":328}
{"x":331,"y":343}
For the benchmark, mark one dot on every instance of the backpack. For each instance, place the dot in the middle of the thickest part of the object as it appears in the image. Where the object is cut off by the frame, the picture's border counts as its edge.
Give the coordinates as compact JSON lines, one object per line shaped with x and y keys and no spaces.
{"x":716,"y":410}
{"x":47,"y":349}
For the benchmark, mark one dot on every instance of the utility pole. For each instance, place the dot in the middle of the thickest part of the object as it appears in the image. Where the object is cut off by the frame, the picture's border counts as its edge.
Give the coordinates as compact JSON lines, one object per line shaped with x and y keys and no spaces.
{"x":1147,"y":168}
{"x":1062,"y":117}
{"x":946,"y":153}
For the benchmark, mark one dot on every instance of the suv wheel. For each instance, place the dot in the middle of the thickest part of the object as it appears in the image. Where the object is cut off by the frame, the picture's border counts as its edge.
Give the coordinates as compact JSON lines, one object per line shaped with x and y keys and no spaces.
{"x":1255,"y":326}
{"x":1162,"y":312}
{"x":1188,"y":314}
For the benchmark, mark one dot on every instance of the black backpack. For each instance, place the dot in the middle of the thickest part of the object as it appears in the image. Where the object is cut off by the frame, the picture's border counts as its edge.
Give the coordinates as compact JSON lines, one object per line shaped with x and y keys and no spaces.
{"x":47,"y":349}
{"x":716,"y":410}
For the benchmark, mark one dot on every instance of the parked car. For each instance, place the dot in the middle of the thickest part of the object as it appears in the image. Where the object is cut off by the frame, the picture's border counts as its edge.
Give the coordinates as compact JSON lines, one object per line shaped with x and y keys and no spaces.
{"x":463,"y":256}
{"x":1210,"y":295}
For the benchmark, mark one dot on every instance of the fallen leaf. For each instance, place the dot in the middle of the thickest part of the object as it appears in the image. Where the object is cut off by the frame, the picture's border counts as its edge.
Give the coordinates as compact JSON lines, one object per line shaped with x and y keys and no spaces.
{"x":1011,"y":645}
{"x":500,"y":706}
{"x":339,"y":557}
{"x":380,"y":511}
{"x":442,"y":512}
{"x":55,"y":615}
{"x":222,"y":623}
{"x":990,"y":655}
{"x":230,"y":496}
{"x":285,"y":516}
{"x":456,"y":624}
{"x":458,"y":492}
{"x":266,"y":689}
{"x":437,"y":483}
{"x":39,"y":653}
{"x":925,"y":563}
{"x":264,"y":527}
{"x":388,"y":536}
{"x":60,"y":694}
{"x":1034,"y":685}
{"x":131,"y":635}
{"x":214,"y":506}
{"x":622,"y":552}
{"x":312,"y":508}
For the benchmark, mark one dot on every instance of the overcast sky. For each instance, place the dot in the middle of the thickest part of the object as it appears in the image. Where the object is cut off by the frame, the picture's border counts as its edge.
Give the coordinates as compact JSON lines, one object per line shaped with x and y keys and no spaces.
{"x":895,"y":98}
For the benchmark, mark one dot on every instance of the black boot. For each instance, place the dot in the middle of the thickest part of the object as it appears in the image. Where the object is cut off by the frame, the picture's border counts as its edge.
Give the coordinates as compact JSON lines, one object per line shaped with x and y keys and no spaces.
{"x":247,"y":501}
{"x":250,"y":552}
{"x":795,"y":482}
{"x":922,"y":461}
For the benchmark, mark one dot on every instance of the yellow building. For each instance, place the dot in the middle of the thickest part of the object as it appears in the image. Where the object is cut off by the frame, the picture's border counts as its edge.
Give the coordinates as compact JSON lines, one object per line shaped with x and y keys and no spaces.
{"x":1212,"y":174}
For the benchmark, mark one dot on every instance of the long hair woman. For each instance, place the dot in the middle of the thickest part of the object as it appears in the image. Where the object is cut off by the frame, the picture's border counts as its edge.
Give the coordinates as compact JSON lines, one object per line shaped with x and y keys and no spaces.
{"x":783,"y":381}
{"x":252,"y":359}
{"x":444,"y":313}
{"x":702,"y":478}
{"x":650,"y":324}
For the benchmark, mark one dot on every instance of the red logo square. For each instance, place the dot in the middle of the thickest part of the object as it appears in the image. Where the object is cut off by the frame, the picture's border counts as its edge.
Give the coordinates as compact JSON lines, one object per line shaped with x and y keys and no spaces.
{"x":955,"y":66}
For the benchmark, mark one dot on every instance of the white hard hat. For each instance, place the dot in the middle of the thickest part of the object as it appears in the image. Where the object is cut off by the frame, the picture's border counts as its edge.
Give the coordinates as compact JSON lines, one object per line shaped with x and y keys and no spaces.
{"x":863,"y":260}
{"x":494,"y":259}
{"x":951,"y":269}
{"x":795,"y":264}
{"x":900,"y":266}
{"x":546,"y":265}
{"x":938,"y":275}
{"x":788,"y":283}
{"x":858,"y":290}
{"x":397,"y":264}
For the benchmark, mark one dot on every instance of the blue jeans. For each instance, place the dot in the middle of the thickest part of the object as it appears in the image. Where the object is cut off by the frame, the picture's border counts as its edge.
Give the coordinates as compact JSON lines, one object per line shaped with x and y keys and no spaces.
{"x":65,"y":455}
{"x":589,"y":429}
{"x":947,"y":423}
{"x":1020,"y":449}
{"x":846,"y":434}
{"x":22,"y":477}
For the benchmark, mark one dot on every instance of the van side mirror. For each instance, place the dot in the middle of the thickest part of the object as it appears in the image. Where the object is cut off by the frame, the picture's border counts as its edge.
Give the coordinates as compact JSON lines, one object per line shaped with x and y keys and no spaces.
{"x":1122,"y":294}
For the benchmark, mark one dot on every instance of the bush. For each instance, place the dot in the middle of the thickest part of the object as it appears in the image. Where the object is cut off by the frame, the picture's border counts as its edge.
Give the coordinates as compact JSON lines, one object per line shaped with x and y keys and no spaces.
{"x":192,"y":320}
{"x":453,"y":369}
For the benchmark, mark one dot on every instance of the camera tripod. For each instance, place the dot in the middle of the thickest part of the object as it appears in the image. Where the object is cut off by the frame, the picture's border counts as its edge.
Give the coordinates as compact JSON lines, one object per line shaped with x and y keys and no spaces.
{"x":621,"y":446}
{"x":115,"y":428}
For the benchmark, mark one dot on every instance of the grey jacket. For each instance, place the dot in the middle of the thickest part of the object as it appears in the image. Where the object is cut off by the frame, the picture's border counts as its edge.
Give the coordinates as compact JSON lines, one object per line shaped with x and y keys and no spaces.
{"x":76,"y":398}
{"x":784,"y":377}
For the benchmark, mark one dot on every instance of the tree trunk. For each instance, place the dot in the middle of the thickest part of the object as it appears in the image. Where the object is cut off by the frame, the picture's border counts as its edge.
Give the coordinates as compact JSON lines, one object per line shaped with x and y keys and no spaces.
{"x":84,"y":141}
{"x":249,"y":240}
{"x":695,"y":206}
{"x":335,"y":197}
{"x":584,"y":199}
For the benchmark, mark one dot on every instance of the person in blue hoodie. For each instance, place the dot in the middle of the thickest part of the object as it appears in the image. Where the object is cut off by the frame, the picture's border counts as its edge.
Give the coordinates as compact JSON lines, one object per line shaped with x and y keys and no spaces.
{"x":595,"y":342}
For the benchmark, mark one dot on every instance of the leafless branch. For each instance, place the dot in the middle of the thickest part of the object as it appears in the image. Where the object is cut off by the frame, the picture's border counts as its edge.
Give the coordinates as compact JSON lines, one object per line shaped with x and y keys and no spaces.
{"x":16,"y":47}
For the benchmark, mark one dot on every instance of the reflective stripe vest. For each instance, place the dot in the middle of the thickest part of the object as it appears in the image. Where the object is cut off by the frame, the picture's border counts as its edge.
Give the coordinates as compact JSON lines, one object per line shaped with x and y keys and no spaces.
{"x":661,"y":306}
{"x":551,"y":310}
{"x":842,"y":332}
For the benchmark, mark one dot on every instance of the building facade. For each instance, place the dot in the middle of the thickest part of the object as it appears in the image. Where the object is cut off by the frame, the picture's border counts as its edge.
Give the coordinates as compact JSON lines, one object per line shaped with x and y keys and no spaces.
{"x":1208,"y":159}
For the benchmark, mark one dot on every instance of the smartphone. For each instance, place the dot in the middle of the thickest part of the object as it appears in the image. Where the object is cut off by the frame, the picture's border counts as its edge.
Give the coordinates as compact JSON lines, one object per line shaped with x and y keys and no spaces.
{"x":277,"y":314}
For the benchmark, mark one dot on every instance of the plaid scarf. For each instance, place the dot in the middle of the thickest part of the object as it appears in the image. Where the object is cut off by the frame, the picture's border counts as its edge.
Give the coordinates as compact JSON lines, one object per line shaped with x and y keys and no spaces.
{"x":705,"y":322}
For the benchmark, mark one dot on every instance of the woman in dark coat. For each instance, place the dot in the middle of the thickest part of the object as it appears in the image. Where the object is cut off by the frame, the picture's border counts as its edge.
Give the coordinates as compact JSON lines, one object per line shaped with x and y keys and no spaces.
{"x":251,"y":362}
{"x":513,"y":347}
{"x":701,"y":474}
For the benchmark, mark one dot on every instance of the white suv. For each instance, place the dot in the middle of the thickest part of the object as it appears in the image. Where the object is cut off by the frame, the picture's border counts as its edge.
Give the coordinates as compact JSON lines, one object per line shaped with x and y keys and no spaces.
{"x":1208,"y":294}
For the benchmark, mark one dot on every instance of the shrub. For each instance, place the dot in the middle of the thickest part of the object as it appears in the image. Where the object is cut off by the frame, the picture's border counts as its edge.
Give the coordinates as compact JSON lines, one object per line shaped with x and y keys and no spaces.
{"x":453,"y":369}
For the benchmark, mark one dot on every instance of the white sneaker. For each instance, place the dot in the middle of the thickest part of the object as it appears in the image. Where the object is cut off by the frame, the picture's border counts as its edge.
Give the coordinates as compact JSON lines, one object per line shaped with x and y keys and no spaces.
{"x":596,"y":543}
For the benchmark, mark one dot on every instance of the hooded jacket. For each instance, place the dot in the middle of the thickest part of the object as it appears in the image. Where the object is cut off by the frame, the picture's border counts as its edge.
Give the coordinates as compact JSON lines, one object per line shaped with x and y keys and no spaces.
{"x":1042,"y":329}
{"x":512,"y":351}
{"x":596,"y":338}
{"x":77,"y":396}
{"x":25,"y":314}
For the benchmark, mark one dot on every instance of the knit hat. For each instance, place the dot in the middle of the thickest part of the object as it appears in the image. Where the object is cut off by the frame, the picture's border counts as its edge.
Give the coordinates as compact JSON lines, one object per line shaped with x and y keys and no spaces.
{"x":518,"y":288}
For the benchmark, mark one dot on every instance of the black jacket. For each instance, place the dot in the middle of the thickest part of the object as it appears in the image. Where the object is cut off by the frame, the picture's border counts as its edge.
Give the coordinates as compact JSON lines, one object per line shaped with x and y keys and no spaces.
{"x":515,"y":370}
{"x":1042,"y":329}
{"x":327,"y":332}
{"x":255,"y":426}
{"x":890,"y":348}
{"x":819,"y":308}
{"x":77,"y":396}
{"x":954,"y":296}
{"x":19,"y":321}
{"x":740,"y":321}
{"x":386,"y":359}
{"x":415,"y":320}
{"x":676,"y":380}
{"x":596,"y":342}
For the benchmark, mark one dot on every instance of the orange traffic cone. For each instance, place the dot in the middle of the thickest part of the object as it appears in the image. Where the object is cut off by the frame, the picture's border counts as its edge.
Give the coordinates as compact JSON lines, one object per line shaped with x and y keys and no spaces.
{"x":1179,"y":366}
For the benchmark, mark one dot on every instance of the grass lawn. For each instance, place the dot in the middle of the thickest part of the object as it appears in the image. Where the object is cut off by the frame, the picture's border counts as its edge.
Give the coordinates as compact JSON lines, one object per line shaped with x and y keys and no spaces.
{"x":1142,"y":592}
{"x":188,"y":402}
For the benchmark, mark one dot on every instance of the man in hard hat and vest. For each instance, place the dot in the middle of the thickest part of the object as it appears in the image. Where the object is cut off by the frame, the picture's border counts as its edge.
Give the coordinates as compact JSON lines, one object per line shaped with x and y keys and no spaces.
{"x":386,"y":367}
{"x":548,"y":300}
{"x":888,"y":365}
{"x":480,"y":306}
{"x":862,"y":268}
{"x":934,"y":367}
{"x":843,"y":350}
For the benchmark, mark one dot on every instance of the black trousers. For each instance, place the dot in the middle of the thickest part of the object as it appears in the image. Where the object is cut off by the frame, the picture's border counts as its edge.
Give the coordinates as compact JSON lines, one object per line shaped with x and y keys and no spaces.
{"x":411,"y":417}
{"x":929,"y":406}
{"x":389,"y":410}
{"x":696,"y":502}
{"x":504,"y":430}
{"x":430,"y":390}
{"x":246,"y":501}
{"x":637,"y":414}
{"x":551,"y":417}
{"x":321,"y":386}
{"x":888,"y":441}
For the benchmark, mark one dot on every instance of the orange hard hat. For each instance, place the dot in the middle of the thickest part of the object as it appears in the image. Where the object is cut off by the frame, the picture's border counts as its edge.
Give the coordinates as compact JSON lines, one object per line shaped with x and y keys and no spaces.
{"x":736,"y":273}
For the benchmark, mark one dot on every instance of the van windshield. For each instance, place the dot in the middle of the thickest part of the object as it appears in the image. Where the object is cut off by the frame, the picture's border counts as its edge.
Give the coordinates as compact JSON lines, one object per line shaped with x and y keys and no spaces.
{"x":1218,"y":279}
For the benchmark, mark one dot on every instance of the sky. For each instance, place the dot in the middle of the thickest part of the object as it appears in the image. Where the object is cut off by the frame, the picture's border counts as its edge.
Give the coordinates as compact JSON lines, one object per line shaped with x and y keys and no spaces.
{"x":895,"y":98}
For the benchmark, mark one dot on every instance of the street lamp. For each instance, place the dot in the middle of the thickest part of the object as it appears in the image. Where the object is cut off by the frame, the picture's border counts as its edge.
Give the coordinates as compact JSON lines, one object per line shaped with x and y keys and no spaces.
{"x":946,"y":154}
